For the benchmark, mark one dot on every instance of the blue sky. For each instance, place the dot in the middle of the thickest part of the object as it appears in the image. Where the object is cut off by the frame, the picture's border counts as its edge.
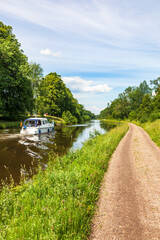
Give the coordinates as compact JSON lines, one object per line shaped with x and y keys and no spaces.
{"x":99,"y":47}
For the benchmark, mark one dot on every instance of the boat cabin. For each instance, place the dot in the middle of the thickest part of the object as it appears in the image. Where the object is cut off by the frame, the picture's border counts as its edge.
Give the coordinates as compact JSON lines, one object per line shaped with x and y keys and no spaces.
{"x":35,"y":122}
{"x":37,"y":126}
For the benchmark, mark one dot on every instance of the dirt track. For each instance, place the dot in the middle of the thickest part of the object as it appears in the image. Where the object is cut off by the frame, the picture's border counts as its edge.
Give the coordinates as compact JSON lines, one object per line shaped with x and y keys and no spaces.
{"x":129,"y":204}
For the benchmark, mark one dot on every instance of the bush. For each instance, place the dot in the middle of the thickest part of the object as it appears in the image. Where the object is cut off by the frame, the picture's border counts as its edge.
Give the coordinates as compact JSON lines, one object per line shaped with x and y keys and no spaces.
{"x":69,"y":118}
{"x":154,"y":115}
{"x":143,"y":119}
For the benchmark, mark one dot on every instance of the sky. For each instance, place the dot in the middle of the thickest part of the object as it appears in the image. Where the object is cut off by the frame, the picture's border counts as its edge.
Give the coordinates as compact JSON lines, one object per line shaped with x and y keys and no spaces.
{"x":99,"y":47}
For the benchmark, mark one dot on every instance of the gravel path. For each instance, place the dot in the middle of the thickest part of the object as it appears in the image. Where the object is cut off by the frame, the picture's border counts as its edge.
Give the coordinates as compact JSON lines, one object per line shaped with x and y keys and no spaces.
{"x":129,"y":203}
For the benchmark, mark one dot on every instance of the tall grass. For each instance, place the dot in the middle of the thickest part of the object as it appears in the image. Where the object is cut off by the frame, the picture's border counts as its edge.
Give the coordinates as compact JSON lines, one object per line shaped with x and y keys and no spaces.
{"x":153,"y":129}
{"x":59,"y":203}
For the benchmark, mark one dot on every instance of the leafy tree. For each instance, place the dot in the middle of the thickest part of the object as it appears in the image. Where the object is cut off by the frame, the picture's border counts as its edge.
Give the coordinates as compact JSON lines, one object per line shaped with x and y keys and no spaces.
{"x":156,"y":84}
{"x":53,"y":94}
{"x":35,"y":75}
{"x":145,"y":108}
{"x":128,"y":103}
{"x":15,"y":87}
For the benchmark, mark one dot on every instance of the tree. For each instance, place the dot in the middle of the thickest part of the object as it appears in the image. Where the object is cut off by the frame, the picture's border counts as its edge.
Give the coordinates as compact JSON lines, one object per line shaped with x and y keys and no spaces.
{"x":35,"y":75}
{"x":16,"y":95}
{"x":156,"y":84}
{"x":127,"y":104}
{"x":145,"y":108}
{"x":53,"y":95}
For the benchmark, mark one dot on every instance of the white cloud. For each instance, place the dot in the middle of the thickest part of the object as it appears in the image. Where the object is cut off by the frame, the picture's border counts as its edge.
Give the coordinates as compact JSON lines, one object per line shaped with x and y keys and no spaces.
{"x":94,"y":109}
{"x":48,"y":52}
{"x":77,"y":84}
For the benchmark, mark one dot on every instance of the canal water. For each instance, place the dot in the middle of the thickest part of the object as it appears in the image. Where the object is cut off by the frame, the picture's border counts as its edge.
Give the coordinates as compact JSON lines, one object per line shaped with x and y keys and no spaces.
{"x":20,"y":155}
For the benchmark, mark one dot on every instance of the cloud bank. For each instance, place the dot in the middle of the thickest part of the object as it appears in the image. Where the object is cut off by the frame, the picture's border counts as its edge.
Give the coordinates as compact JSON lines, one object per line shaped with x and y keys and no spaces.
{"x":77,"y":84}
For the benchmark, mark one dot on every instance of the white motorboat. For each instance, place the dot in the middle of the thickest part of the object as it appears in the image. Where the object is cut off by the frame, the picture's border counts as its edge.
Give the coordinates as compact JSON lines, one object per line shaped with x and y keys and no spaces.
{"x":36,"y":126}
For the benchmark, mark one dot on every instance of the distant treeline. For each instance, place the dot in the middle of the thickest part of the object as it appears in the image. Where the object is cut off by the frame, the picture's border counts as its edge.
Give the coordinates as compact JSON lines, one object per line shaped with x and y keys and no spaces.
{"x":140,"y":103}
{"x":24,"y":89}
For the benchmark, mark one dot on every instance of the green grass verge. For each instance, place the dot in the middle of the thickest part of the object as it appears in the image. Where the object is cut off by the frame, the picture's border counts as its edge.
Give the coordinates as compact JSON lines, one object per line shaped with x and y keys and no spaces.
{"x":60,"y":202}
{"x":153,"y":129}
{"x":9,"y":124}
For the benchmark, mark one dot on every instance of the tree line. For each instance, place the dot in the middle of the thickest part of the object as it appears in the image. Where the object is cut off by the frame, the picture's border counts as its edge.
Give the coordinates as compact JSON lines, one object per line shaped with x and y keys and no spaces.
{"x":24,"y":89}
{"x":140,"y":103}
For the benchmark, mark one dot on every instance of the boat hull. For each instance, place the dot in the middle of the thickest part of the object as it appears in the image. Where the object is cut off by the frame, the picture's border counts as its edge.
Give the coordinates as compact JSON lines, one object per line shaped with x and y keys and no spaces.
{"x":37,"y":130}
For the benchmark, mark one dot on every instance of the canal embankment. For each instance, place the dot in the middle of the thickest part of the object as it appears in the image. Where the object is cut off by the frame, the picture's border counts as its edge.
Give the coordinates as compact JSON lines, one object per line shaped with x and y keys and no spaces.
{"x":60,"y":201}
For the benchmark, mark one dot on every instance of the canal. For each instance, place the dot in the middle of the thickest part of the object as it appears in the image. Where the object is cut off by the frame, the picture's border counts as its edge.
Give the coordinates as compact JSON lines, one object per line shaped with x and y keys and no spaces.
{"x":20,"y":155}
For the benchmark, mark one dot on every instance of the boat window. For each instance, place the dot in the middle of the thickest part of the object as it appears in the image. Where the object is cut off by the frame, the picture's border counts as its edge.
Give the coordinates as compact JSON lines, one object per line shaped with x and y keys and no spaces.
{"x":39,"y":123}
{"x":32,"y":123}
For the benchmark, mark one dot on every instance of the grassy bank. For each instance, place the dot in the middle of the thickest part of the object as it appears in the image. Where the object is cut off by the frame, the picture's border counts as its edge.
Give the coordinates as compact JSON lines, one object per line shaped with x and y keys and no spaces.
{"x":9,"y":124}
{"x":59,"y":203}
{"x":153,"y":129}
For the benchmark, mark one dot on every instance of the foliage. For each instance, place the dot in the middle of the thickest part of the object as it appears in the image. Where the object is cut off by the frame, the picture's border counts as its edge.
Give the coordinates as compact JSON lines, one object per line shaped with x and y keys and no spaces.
{"x":152,"y":128}
{"x":59,"y":203}
{"x":9,"y":124}
{"x":68,"y":117}
{"x":136,"y":103}
{"x":35,"y":75}
{"x":15,"y":87}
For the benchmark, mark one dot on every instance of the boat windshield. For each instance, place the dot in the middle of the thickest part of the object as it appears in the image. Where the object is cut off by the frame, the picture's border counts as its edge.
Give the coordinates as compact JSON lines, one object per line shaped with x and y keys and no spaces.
{"x":30,"y":123}
{"x":45,"y":122}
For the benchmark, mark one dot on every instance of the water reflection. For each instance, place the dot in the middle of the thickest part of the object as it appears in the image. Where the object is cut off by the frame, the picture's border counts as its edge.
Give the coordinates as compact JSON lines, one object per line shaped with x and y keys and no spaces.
{"x":20,"y":155}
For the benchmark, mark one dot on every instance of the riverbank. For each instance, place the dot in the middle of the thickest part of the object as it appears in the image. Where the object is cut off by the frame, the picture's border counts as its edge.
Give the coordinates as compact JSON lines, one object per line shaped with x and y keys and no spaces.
{"x":9,"y":124}
{"x":60,"y":202}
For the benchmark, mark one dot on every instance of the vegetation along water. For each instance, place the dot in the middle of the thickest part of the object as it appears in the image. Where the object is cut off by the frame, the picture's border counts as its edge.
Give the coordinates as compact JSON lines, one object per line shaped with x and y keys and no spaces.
{"x":59,"y":202}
